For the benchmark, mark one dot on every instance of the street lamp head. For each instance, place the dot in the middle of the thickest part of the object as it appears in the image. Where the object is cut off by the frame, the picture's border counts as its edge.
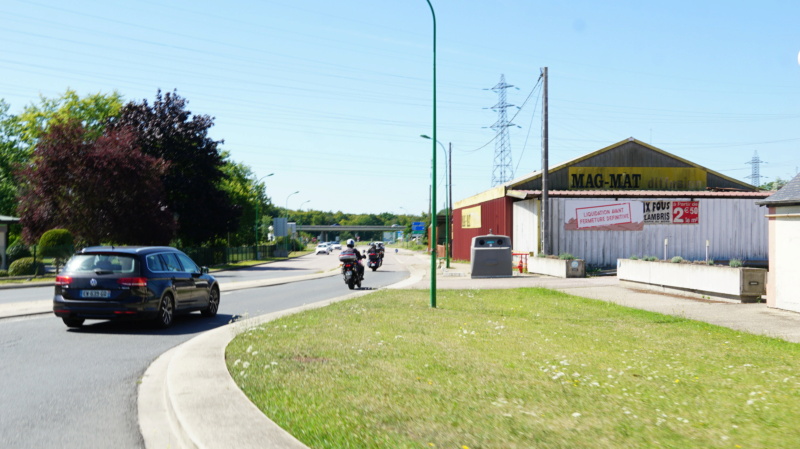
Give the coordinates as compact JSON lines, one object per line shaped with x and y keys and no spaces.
{"x":425,"y":136}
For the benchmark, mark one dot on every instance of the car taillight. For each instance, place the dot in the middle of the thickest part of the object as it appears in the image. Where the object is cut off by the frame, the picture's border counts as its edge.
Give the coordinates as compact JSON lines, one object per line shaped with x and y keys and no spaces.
{"x":132,"y":282}
{"x":63,"y":281}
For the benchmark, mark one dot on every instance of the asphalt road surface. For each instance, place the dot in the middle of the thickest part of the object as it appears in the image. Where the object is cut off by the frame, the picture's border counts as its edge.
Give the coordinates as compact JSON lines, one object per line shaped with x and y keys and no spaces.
{"x":66,"y":388}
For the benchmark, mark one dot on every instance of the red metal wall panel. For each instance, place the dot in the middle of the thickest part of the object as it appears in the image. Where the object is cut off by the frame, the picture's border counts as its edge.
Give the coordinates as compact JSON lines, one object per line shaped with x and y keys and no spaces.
{"x":496,"y":215}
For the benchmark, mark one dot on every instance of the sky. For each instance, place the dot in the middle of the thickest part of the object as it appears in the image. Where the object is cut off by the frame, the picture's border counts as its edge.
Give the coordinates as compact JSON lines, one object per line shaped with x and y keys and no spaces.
{"x":332,"y":96}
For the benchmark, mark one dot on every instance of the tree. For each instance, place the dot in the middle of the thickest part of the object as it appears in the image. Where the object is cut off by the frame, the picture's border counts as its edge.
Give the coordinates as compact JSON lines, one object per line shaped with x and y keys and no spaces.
{"x":92,"y":111}
{"x":11,"y":156}
{"x":102,"y":190}
{"x":58,"y":244}
{"x":193,"y":182}
{"x":243,"y":189}
{"x":777,"y":184}
{"x":19,"y":134}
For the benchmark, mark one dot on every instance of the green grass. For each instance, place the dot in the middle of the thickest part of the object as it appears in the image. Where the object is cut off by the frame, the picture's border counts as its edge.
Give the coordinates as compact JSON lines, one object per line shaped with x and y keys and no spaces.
{"x":517,"y":368}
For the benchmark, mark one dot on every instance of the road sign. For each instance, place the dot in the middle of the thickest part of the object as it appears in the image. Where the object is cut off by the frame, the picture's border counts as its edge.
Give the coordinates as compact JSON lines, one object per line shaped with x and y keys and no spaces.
{"x":418,"y":227}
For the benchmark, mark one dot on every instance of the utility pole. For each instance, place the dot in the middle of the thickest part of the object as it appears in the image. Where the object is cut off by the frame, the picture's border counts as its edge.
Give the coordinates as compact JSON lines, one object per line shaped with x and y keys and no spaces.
{"x":449,"y":201}
{"x":545,"y":209}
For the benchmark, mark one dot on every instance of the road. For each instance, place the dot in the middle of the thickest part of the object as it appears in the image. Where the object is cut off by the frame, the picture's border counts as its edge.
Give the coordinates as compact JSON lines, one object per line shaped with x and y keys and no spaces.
{"x":77,"y":388}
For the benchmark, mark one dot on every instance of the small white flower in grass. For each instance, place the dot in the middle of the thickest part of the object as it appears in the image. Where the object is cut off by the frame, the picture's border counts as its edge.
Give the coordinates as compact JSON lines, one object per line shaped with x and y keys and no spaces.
{"x":564,"y":362}
{"x":397,"y":337}
{"x":246,"y":365}
{"x":576,"y":375}
{"x":750,"y":402}
{"x":237,"y":362}
{"x":274,"y":363}
{"x":255,"y":353}
{"x":249,"y":349}
{"x":576,"y":415}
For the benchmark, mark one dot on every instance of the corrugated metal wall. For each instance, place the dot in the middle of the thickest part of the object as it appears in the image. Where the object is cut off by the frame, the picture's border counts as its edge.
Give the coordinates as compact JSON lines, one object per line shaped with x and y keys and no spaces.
{"x":736,"y":228}
{"x":496,"y":215}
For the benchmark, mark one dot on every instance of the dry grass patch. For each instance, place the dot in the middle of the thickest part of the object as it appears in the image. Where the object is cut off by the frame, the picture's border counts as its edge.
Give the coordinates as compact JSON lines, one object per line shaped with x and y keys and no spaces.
{"x":515,"y":369}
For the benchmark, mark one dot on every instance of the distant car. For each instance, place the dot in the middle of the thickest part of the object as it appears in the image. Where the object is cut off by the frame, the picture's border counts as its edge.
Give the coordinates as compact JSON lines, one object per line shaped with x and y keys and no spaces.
{"x":151,"y":283}
{"x":336,"y":245}
{"x":323,"y":248}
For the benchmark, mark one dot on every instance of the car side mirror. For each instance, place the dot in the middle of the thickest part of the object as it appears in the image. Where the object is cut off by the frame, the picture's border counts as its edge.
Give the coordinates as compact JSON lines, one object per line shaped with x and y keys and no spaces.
{"x":203,"y":270}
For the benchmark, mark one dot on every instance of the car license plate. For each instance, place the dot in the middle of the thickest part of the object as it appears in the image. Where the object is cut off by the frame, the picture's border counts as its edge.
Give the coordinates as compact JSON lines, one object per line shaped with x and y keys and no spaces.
{"x":95,"y":293}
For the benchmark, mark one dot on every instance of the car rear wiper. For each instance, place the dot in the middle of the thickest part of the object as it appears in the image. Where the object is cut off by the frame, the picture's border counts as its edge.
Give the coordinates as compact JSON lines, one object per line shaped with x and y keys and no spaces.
{"x":101,"y":271}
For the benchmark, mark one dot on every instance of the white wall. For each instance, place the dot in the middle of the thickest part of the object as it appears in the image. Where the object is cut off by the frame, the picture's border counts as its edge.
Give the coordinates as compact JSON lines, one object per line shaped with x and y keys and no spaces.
{"x":526,"y":226}
{"x":783,"y":263}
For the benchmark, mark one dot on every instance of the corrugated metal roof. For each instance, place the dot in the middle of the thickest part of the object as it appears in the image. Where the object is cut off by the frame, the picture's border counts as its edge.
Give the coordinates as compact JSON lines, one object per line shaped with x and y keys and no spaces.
{"x":571,"y":162}
{"x":525,"y":194}
{"x":788,"y":195}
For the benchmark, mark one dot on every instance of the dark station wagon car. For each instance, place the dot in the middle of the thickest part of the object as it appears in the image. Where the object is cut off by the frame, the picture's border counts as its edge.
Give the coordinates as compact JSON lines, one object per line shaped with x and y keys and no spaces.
{"x":150,"y":283}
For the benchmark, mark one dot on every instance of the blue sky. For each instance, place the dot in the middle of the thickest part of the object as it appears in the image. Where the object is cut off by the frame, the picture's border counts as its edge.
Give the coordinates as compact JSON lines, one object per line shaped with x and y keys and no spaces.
{"x":333,"y":96}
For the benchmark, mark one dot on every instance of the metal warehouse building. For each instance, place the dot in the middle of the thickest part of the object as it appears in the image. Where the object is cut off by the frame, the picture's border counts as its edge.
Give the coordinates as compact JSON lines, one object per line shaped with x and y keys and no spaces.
{"x":628,"y":199}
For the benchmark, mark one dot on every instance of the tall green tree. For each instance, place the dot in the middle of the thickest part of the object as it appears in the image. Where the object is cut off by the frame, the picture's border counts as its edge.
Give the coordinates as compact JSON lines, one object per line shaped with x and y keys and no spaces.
{"x":92,"y":111}
{"x":102,"y":190}
{"x":242,"y":187}
{"x":194,"y":181}
{"x":12,"y":156}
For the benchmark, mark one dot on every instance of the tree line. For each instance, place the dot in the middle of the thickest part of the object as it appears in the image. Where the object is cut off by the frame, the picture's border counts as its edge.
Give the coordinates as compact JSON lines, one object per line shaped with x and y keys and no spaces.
{"x":135,"y":173}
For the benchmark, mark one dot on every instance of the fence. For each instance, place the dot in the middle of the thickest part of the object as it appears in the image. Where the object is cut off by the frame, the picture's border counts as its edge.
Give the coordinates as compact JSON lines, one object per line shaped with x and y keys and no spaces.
{"x":224,"y":255}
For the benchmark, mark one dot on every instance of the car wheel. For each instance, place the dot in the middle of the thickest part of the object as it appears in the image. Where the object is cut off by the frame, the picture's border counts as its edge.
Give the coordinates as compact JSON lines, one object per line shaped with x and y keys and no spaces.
{"x":213,"y":304}
{"x":73,"y":322}
{"x":166,"y":312}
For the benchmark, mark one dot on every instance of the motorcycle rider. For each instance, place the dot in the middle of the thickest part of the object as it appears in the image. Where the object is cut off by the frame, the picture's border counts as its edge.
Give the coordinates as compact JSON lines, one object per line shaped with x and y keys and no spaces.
{"x":351,"y":245}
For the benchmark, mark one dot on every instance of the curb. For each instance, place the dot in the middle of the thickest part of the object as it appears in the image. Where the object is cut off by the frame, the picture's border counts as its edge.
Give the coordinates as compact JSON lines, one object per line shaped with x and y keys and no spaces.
{"x":188,"y":399}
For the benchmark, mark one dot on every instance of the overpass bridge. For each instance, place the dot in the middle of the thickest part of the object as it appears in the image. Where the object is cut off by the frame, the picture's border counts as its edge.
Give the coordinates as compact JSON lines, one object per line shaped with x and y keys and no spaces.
{"x":339,"y":228}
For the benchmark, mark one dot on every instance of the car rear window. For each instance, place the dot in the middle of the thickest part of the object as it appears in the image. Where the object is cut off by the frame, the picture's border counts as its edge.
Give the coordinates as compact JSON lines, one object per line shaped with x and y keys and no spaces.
{"x":107,"y":263}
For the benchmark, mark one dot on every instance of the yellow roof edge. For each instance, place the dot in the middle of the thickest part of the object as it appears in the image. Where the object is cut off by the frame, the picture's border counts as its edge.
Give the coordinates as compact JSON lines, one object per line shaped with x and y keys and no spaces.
{"x":487,"y":195}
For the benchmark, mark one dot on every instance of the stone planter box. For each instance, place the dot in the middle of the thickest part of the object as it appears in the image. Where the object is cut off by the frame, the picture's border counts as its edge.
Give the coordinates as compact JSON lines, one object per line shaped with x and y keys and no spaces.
{"x":694,"y":280}
{"x":557,"y":267}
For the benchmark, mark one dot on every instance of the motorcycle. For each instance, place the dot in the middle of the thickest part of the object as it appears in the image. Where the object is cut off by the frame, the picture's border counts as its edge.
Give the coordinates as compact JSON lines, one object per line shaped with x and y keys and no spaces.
{"x":375,"y":260}
{"x":350,"y":269}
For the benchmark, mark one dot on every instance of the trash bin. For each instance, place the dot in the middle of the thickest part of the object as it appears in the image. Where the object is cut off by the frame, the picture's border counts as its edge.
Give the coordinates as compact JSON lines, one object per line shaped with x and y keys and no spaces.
{"x":491,"y":256}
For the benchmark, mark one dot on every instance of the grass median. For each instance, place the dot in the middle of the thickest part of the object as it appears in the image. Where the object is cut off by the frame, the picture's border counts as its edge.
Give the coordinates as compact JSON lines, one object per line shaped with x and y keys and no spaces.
{"x":517,"y":368}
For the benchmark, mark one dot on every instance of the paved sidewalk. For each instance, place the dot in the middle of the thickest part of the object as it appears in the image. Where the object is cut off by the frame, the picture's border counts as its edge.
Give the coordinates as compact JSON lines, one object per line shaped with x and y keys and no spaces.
{"x":188,"y":399}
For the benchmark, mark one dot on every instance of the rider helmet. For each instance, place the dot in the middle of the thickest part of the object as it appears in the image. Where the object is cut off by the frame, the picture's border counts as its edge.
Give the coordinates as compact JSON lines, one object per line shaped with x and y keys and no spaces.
{"x":351,"y":243}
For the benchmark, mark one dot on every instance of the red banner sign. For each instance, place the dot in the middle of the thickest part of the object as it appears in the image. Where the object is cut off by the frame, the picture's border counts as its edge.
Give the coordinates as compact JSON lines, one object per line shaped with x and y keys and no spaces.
{"x":685,"y":212}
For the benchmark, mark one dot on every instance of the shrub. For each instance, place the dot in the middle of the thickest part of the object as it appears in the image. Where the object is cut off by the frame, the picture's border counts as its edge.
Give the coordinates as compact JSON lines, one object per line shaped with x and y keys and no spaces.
{"x":634,"y":258}
{"x":566,"y":256}
{"x":58,"y":244}
{"x":676,"y":259}
{"x":3,"y":273}
{"x":17,"y":251}
{"x":710,"y":262}
{"x":650,"y":258}
{"x":541,"y":255}
{"x":735,"y":263}
{"x":25,"y":267}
